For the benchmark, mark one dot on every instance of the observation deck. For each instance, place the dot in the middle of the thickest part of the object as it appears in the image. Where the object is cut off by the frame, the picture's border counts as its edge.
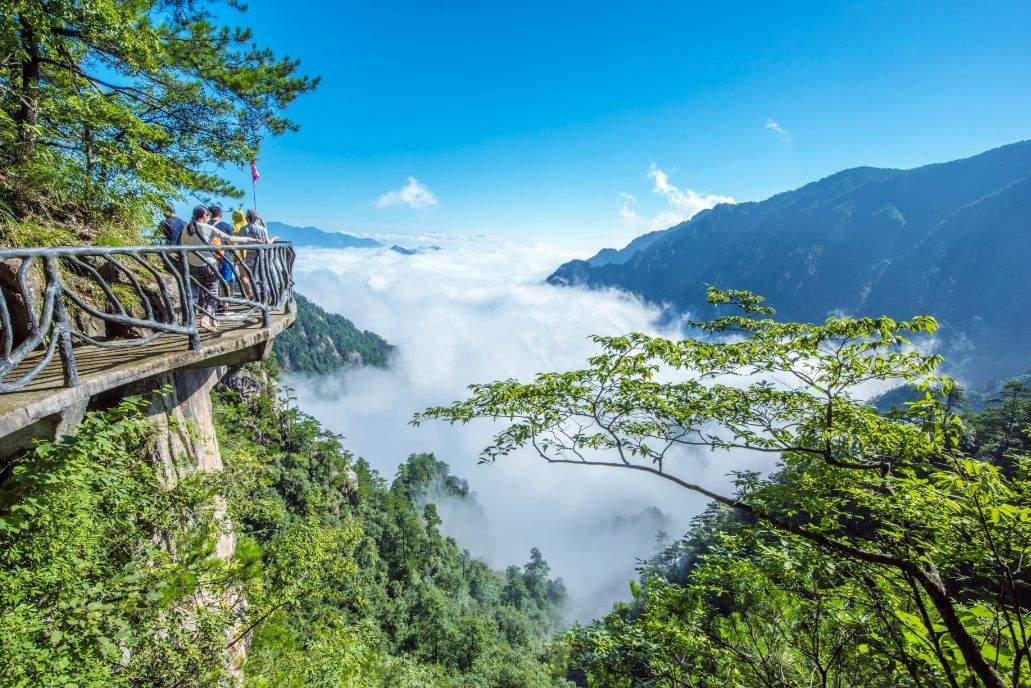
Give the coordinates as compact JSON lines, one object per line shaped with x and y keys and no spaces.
{"x":77,"y":322}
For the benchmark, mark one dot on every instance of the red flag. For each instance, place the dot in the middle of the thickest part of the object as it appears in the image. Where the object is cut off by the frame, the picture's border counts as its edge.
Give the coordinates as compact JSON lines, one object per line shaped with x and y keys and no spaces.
{"x":255,"y":175}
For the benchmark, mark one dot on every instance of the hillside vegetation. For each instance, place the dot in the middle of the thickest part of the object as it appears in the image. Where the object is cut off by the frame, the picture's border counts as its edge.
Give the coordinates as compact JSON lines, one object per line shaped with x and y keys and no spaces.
{"x":347,"y":578}
{"x":320,"y":342}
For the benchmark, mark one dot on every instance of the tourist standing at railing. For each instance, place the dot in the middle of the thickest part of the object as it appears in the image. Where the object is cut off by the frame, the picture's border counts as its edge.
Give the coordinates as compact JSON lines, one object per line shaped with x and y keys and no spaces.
{"x":255,"y":232}
{"x":217,"y":220}
{"x":256,"y":229}
{"x":254,"y":218}
{"x":239,"y":221}
{"x":204,"y":264}
{"x":225,"y":264}
{"x":238,"y":224}
{"x":170,"y":228}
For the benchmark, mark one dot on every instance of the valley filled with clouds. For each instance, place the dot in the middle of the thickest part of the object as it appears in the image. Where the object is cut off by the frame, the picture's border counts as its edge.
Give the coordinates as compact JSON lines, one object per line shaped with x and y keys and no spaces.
{"x":474,"y":311}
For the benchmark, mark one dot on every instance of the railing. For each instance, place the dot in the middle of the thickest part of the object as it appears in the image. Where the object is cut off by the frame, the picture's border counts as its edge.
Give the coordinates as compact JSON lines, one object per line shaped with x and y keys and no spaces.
{"x":55,"y":299}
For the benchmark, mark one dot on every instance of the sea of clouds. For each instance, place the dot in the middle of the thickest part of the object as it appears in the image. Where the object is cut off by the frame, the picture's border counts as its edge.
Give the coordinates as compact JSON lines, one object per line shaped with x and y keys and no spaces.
{"x":475,"y":311}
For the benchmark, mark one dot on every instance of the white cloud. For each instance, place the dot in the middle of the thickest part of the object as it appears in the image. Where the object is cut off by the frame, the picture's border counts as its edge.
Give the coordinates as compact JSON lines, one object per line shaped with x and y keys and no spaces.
{"x":682,"y":204}
{"x":778,"y":131}
{"x":414,"y":194}
{"x":475,"y":311}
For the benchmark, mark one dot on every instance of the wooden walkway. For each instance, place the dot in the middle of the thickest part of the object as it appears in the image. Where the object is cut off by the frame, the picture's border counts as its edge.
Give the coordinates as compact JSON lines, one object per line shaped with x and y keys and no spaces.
{"x":102,"y":369}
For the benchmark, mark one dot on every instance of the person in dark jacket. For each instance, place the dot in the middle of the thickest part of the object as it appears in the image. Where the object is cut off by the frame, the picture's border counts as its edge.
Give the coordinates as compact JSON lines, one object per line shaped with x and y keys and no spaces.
{"x":170,"y":228}
{"x":216,"y":219}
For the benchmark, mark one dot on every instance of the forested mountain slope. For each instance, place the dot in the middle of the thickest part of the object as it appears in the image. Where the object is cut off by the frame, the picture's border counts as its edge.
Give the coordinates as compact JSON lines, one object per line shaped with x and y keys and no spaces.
{"x":406,"y":606}
{"x":321,"y":342}
{"x":952,"y":240}
{"x":346,"y":576}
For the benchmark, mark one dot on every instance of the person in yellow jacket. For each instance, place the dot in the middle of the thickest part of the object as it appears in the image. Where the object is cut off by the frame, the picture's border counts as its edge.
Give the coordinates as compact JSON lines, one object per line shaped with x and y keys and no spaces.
{"x":239,"y":221}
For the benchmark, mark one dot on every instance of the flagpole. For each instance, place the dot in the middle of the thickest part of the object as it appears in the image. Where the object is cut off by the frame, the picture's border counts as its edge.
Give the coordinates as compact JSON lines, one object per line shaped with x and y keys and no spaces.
{"x":254,"y":183}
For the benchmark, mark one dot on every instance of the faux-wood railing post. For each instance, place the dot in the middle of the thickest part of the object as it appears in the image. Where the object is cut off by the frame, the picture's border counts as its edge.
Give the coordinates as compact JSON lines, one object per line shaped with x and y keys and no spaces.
{"x":266,"y":312}
{"x":189,"y":316}
{"x":64,"y":328}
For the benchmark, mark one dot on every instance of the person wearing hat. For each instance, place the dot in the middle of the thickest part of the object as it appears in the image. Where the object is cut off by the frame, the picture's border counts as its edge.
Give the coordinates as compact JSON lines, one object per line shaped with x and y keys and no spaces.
{"x":204,"y":264}
{"x":171,"y":227}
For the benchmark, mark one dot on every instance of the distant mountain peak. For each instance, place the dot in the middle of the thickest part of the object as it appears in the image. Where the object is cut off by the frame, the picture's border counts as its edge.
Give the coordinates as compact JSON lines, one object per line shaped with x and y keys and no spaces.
{"x":397,"y":248}
{"x":313,"y":236}
{"x":948,"y":239}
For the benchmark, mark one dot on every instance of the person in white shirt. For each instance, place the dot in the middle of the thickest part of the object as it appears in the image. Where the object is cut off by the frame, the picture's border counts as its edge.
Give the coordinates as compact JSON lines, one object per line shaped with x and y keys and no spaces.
{"x":204,"y":264}
{"x":257,"y":232}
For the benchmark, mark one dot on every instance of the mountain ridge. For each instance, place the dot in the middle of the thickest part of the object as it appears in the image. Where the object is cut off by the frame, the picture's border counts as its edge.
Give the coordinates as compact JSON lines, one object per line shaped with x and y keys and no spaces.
{"x":949,"y":239}
{"x":321,"y":342}
{"x":313,"y":236}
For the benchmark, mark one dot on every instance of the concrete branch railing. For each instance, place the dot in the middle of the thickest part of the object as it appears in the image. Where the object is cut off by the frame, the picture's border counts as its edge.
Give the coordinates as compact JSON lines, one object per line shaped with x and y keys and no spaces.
{"x":55,"y":299}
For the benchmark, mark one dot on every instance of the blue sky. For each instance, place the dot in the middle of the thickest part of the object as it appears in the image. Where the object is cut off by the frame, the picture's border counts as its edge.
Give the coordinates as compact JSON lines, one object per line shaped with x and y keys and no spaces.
{"x":601,"y":120}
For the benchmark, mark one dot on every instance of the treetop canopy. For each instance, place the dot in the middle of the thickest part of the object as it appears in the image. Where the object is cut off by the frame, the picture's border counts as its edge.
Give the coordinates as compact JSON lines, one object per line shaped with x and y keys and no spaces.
{"x":113,"y":106}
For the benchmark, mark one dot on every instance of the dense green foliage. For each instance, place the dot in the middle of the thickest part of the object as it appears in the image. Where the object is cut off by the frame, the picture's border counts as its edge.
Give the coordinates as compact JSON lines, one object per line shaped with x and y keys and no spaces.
{"x":111,"y":107}
{"x":412,"y":608}
{"x":320,"y":342}
{"x":883,"y":551}
{"x":339,"y":577}
{"x":90,"y":594}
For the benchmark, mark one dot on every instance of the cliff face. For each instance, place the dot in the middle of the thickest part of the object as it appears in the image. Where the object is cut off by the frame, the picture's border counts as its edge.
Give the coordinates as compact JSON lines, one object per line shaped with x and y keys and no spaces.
{"x":184,"y":445}
{"x":185,"y":442}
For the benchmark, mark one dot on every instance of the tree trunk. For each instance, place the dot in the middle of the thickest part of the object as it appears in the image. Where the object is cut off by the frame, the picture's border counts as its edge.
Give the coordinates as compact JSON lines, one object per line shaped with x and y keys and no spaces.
{"x":87,"y":148}
{"x":28,"y":114}
{"x":935,"y":589}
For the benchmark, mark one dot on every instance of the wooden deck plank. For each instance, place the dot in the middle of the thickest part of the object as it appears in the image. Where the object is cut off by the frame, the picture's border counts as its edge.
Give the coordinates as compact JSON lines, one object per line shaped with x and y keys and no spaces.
{"x":101,"y":369}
